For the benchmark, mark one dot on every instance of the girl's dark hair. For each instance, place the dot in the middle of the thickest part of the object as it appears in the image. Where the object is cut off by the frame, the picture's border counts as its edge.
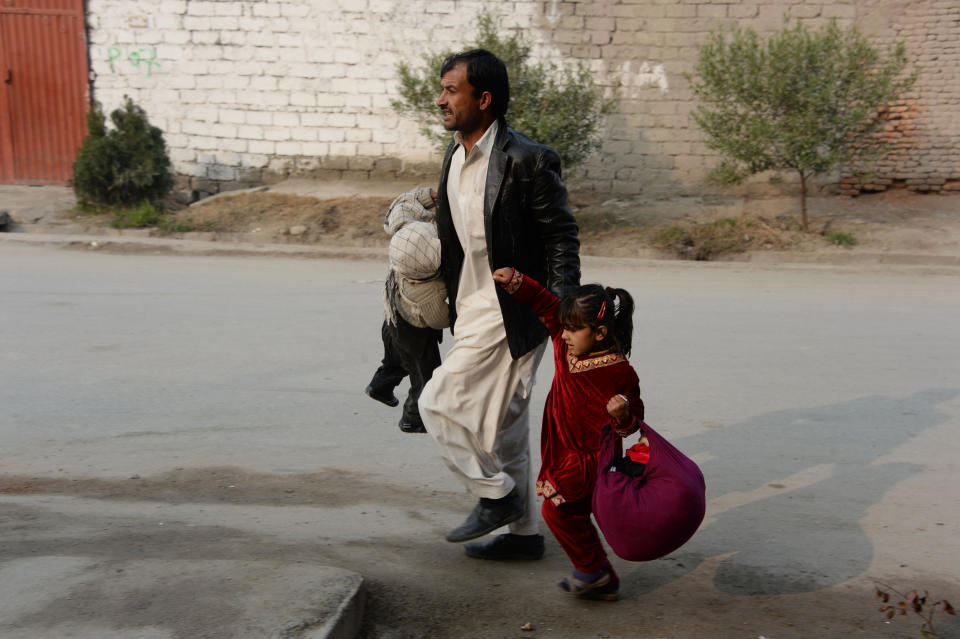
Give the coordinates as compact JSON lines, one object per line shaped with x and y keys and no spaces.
{"x":582,"y":308}
{"x":485,"y":72}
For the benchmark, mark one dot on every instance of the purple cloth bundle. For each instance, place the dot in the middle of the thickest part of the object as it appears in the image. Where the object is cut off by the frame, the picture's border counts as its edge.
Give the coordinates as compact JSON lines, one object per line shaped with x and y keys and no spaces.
{"x":649,"y":516}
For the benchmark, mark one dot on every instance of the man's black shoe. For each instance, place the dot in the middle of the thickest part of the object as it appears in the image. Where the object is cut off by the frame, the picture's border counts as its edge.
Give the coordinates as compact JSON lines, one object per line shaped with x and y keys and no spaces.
{"x":507,"y":546}
{"x":489,"y":515}
{"x":409,"y":426}
{"x":382,"y":395}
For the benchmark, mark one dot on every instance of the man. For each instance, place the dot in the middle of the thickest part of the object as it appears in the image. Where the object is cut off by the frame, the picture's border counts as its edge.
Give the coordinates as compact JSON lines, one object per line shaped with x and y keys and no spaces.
{"x":500,"y":203}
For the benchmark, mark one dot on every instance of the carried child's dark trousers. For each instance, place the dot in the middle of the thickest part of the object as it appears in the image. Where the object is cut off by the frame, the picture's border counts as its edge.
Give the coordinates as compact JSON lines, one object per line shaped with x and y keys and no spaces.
{"x":408,"y":350}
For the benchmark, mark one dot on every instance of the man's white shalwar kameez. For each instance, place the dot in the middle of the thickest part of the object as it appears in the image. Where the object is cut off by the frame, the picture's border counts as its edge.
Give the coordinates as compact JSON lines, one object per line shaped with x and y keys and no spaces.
{"x":476,"y":404}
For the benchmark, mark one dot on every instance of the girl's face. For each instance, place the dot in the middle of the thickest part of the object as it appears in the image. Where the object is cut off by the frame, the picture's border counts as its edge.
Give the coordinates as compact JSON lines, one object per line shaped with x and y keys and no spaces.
{"x":581,"y":341}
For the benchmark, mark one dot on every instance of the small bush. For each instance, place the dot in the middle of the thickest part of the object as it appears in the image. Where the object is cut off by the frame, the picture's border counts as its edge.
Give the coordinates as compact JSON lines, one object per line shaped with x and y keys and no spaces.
{"x":723,"y":236}
{"x":841,"y":239}
{"x":798,"y":100}
{"x":729,"y":223}
{"x":138,"y":217}
{"x":703,"y":241}
{"x":673,"y":236}
{"x":171,"y":224}
{"x":555,"y":105}
{"x":148,"y":215}
{"x":921,"y":605}
{"x":124,"y":166}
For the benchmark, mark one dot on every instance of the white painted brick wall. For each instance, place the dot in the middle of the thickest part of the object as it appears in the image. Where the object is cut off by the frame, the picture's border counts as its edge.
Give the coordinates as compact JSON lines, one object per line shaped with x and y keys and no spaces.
{"x":244,"y":85}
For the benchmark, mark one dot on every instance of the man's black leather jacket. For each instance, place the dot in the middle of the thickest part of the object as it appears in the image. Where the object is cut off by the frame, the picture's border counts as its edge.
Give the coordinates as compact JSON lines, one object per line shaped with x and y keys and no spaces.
{"x":529,"y":226}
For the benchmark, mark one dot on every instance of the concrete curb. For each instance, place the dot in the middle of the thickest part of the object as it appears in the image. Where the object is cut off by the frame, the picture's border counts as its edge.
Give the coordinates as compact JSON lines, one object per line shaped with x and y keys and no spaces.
{"x":133,"y":242}
{"x":159,"y":246}
{"x":164,"y":596}
{"x":345,"y":623}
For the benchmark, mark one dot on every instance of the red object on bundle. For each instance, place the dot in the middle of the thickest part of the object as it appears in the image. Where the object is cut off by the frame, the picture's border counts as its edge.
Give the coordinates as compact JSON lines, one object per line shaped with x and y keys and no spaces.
{"x":639,"y":453}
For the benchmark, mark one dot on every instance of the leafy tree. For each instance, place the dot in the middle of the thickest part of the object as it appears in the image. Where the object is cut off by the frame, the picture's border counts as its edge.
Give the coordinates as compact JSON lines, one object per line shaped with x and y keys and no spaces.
{"x":559,"y":106}
{"x":800,"y":100}
{"x":124,"y":166}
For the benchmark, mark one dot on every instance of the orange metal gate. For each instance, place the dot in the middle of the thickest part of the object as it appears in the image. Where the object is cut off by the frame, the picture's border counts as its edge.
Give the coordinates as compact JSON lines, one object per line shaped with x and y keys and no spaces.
{"x":44,"y":91}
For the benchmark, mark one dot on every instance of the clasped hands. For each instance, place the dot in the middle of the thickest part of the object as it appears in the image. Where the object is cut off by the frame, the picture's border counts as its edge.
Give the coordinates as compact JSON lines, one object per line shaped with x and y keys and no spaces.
{"x":509,"y":278}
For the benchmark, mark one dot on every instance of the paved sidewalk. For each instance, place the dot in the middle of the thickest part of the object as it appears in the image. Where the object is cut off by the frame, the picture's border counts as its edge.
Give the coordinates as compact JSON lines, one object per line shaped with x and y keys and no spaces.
{"x":217,"y":598}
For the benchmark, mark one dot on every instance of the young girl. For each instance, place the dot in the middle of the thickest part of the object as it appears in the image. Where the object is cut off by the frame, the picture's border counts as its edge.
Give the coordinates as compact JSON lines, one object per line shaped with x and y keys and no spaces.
{"x":594,"y":385}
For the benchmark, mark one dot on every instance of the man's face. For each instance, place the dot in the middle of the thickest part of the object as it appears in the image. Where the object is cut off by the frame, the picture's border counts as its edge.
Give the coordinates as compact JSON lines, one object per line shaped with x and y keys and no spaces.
{"x":458,"y":108}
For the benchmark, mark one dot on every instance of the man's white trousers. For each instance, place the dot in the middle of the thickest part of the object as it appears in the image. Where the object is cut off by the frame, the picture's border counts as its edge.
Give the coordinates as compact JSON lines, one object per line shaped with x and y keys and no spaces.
{"x":476,"y":406}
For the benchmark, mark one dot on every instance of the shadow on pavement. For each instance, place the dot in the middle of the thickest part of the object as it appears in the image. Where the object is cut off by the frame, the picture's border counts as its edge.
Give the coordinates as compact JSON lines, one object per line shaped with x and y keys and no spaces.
{"x":787,"y":490}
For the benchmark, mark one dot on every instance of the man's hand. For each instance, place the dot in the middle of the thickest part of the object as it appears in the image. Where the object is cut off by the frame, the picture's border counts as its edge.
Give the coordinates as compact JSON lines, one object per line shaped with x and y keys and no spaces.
{"x":619,"y":409}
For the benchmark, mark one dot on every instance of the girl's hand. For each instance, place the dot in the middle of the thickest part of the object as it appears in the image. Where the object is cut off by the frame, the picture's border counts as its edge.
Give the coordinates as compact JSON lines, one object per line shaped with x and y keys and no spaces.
{"x":619,"y":409}
{"x":509,"y":278}
{"x":502,"y":276}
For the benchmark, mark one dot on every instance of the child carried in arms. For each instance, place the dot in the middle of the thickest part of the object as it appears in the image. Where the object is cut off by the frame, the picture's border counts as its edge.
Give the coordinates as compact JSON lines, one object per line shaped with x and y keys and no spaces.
{"x":415,"y":306}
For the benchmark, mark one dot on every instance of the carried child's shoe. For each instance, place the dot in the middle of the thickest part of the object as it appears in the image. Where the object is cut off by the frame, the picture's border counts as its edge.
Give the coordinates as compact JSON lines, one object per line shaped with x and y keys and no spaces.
{"x":382,"y":395}
{"x":605,"y":587}
{"x":408,"y":425}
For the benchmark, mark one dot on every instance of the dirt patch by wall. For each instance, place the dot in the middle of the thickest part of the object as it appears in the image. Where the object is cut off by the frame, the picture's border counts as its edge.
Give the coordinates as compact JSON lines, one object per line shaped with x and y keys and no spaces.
{"x":691,"y":227}
{"x":282,"y":217}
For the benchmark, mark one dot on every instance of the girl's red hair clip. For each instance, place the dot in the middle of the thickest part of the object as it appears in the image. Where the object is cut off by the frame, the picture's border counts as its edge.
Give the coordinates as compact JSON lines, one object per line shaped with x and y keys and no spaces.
{"x":603,"y":310}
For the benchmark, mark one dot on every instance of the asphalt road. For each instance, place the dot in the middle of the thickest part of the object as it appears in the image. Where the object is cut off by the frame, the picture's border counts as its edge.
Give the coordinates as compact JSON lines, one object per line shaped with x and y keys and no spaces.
{"x":192,"y":409}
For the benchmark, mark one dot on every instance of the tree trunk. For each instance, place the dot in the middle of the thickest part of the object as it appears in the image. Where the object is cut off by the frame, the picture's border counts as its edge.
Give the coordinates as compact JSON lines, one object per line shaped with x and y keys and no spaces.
{"x":803,"y":200}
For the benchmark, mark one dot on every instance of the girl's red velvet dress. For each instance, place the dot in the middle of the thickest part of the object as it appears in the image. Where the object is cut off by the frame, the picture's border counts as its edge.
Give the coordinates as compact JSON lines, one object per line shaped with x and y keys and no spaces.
{"x":574,"y":414}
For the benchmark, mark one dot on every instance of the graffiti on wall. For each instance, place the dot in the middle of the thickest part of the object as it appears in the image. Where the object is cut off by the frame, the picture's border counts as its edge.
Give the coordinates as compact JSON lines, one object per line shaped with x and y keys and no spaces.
{"x":553,"y":14}
{"x":142,"y":59}
{"x":648,"y":75}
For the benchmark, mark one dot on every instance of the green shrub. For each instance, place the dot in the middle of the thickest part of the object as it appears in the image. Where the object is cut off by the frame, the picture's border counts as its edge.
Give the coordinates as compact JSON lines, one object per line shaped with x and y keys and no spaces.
{"x":171,"y":224}
{"x":673,"y":236}
{"x":841,"y":239}
{"x":707,"y":240}
{"x":124,"y":166}
{"x":799,"y":100}
{"x":729,"y":222}
{"x":554,"y":105}
{"x":137,"y":217}
{"x":148,"y":215}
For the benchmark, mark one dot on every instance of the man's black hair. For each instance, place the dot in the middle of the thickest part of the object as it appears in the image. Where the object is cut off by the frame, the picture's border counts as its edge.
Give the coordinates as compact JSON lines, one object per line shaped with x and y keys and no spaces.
{"x":485,"y":72}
